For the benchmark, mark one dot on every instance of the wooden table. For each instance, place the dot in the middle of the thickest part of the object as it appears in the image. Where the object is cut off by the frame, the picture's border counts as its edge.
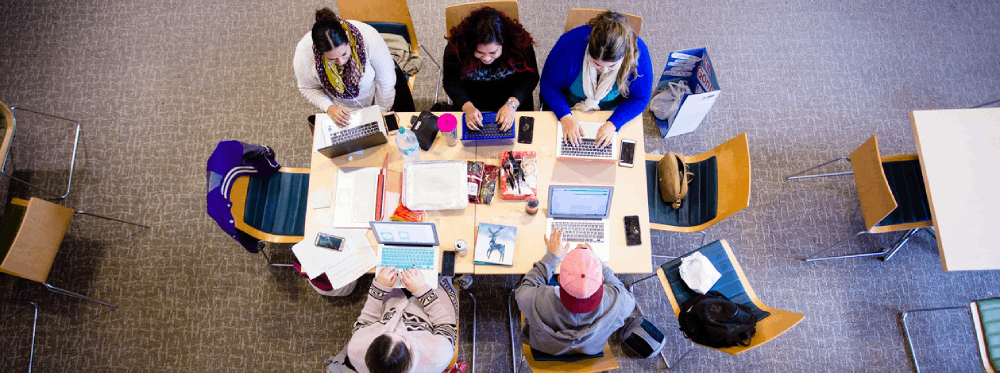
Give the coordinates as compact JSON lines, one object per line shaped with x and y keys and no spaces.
{"x":959,"y":152}
{"x":629,"y":196}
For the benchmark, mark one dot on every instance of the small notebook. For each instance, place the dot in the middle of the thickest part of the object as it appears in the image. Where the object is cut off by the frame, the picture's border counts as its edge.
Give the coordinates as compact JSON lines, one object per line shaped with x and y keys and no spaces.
{"x":495,"y":244}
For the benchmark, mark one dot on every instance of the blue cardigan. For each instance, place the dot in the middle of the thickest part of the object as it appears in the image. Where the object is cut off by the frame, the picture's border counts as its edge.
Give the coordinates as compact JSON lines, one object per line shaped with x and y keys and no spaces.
{"x":562,"y":67}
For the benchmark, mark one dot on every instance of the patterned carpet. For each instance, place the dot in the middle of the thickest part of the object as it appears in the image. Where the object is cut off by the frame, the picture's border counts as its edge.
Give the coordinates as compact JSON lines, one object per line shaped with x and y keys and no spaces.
{"x":156,"y":85}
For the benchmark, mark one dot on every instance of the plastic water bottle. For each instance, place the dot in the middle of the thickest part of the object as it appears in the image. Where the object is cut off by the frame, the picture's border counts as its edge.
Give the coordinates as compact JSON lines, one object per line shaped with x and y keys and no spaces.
{"x":407,"y":143}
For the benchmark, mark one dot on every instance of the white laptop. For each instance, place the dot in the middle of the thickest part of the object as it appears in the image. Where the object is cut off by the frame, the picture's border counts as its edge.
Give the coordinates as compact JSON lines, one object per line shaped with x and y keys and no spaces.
{"x":587,"y":149}
{"x":408,"y":245}
{"x":365,"y":129}
{"x":360,"y":194}
{"x":582,"y":212}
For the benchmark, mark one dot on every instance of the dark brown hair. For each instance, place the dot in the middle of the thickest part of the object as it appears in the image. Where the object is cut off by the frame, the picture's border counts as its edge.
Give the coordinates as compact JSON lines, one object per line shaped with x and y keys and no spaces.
{"x":327,"y":33}
{"x":388,"y":356}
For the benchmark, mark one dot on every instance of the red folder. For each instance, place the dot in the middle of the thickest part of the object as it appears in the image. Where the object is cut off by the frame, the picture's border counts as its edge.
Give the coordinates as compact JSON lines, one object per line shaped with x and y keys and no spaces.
{"x":380,"y":193}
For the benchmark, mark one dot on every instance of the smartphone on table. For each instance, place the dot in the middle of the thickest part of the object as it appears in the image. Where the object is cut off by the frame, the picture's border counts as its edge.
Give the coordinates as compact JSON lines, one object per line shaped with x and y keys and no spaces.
{"x":448,"y":263}
{"x":329,"y":241}
{"x":633,"y":235}
{"x":627,"y":154}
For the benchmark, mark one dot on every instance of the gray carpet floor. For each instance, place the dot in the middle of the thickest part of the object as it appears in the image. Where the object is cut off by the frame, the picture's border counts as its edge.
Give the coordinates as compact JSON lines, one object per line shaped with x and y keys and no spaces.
{"x":157,"y":84}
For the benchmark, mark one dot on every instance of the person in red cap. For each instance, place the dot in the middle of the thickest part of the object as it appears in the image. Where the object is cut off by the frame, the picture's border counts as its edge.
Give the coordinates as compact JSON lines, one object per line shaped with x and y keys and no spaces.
{"x":578,"y":315}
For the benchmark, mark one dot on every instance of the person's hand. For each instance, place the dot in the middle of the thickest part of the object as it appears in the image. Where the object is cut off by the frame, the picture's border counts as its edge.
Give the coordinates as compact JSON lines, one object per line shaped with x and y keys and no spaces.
{"x":340,"y":116}
{"x":571,"y":130}
{"x":473,"y":118}
{"x":605,"y":133}
{"x":555,"y":245}
{"x":386,"y":276}
{"x":412,"y":280}
{"x":505,"y":116}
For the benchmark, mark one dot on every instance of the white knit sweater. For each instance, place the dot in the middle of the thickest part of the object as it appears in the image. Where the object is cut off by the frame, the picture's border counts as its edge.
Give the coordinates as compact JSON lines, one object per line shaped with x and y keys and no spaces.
{"x":377,"y":84}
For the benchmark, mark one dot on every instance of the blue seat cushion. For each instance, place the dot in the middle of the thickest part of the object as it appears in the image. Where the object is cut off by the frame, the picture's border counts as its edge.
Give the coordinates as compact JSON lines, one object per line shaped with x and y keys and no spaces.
{"x":391,"y":28}
{"x":276,"y":204}
{"x":989,"y":315}
{"x":729,"y":284}
{"x":906,"y":181}
{"x":698,"y":207}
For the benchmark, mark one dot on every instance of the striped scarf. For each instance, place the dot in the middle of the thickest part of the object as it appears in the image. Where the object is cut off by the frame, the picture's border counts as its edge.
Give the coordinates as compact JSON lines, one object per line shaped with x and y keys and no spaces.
{"x":342,"y":81}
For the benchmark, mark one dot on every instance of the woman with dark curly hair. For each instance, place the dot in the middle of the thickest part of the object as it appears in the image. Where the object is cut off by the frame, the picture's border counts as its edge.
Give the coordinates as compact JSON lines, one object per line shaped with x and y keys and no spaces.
{"x":489,"y":65}
{"x":345,"y":65}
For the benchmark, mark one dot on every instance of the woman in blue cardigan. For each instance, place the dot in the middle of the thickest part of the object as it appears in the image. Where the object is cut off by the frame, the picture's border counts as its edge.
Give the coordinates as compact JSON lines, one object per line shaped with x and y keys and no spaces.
{"x":602,"y":65}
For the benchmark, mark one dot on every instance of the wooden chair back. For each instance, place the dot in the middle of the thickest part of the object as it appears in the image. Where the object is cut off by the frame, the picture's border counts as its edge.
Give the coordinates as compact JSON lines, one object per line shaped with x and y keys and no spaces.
{"x":580,"y":16}
{"x":395,"y":11}
{"x":733,"y":166}
{"x":454,"y":14}
{"x":876,"y":197}
{"x":238,"y":198}
{"x":591,"y":365}
{"x":35,"y":231}
{"x":779,"y":322}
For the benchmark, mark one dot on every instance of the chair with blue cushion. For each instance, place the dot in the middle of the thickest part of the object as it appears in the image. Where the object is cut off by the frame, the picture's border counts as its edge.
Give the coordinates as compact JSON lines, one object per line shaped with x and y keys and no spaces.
{"x":272,"y":208}
{"x":892,"y":194}
{"x":735,"y":286}
{"x":720,"y":187}
{"x":986,"y":323}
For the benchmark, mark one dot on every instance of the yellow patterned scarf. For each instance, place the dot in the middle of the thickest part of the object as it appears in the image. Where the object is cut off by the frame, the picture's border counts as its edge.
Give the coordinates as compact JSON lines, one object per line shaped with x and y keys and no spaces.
{"x":342,"y":81}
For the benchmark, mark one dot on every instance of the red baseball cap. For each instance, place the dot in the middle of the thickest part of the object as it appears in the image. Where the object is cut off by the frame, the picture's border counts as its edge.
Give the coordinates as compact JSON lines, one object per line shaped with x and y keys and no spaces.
{"x":581,"y":281}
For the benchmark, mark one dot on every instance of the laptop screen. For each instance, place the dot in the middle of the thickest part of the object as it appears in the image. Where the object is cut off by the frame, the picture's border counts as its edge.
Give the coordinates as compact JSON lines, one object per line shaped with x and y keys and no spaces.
{"x":400,"y":233}
{"x":579,"y":201}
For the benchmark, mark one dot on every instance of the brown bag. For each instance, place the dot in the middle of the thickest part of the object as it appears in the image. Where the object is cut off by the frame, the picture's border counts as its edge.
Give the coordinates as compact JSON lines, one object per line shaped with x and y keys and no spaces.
{"x":674,"y":178}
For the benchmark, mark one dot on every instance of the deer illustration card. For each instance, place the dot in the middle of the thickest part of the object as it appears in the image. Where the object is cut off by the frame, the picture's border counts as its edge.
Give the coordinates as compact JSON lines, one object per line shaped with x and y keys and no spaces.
{"x":495,"y":244}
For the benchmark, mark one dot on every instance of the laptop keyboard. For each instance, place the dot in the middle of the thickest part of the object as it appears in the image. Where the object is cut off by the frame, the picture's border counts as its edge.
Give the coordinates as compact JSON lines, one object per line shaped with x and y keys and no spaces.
{"x":421,"y":258}
{"x":354,"y":133}
{"x":489,"y":131}
{"x":588,"y":148}
{"x":362,"y":199}
{"x":581,"y":231}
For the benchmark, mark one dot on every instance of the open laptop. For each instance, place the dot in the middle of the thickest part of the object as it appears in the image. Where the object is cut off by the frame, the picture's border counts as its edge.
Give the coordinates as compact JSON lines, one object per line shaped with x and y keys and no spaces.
{"x":587,"y":149}
{"x":490,"y":129}
{"x":360,"y":195}
{"x":365,"y":130}
{"x":582,"y":212}
{"x":408,"y":245}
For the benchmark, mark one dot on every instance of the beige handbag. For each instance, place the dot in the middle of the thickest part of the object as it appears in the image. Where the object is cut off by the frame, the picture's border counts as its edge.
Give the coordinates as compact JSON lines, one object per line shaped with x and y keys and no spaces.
{"x":674,"y":178}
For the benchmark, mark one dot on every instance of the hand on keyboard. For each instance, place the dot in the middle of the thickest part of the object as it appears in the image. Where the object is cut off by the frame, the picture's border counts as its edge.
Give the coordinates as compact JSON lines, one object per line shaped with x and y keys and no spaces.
{"x":386,"y":277}
{"x":554,"y":242}
{"x":605,"y":134}
{"x":473,"y":118}
{"x":412,"y":280}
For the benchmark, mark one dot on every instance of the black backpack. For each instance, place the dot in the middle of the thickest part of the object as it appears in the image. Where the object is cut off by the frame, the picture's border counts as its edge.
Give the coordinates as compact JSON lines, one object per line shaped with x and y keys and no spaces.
{"x":713,"y":320}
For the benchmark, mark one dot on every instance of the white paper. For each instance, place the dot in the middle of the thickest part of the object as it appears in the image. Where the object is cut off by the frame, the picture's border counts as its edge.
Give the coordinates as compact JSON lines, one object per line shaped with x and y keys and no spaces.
{"x":693,"y":110}
{"x":320,"y":199}
{"x":347,"y":200}
{"x":341,"y":267}
{"x":389,"y":205}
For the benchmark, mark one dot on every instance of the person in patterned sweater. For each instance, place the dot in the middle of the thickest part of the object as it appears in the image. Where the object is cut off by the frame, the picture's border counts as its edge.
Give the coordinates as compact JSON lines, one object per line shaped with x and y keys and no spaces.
{"x":397,"y":333}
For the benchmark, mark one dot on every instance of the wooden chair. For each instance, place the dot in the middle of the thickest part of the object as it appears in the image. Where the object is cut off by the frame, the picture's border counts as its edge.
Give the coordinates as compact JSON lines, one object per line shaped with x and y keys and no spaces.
{"x":386,"y":16}
{"x":579,"y":16}
{"x":30,"y":237}
{"x":574,"y":364}
{"x":454,"y":14}
{"x":720,"y":188}
{"x":892,"y":194}
{"x":735,"y":286}
{"x":8,"y":123}
{"x":272,"y":209}
{"x":986,"y":323}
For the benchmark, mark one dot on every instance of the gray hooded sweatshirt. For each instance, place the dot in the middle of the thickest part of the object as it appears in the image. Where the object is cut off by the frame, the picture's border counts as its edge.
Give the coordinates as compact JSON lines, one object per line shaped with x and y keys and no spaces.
{"x":549,"y":327}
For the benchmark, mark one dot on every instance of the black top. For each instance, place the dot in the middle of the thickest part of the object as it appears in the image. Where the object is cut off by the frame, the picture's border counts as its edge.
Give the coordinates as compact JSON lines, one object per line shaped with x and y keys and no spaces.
{"x":490,"y":86}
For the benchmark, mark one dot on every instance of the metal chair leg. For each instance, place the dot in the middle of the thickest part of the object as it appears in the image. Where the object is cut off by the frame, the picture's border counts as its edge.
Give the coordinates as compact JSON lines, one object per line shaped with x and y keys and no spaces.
{"x":270,"y":264}
{"x":796,"y":176}
{"x":473,"y":365}
{"x":75,"y":295}
{"x":72,"y":161}
{"x":906,"y":330}
{"x":663,"y":357}
{"x":107,"y":218}
{"x":34,"y":330}
{"x":514,"y":361}
{"x":885,"y":254}
{"x":438,"y":87}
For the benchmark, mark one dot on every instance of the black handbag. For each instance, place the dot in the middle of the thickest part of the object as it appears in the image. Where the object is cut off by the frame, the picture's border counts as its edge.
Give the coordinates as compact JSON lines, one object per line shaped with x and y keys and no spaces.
{"x":426,"y":128}
{"x":713,"y":320}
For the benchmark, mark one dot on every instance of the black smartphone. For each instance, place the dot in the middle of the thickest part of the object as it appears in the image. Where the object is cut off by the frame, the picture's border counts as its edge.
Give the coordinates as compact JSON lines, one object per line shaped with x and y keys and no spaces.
{"x":627,"y":153}
{"x":330,"y":241}
{"x":391,"y":122}
{"x":448,"y":263}
{"x":526,"y":130}
{"x":633,"y":236}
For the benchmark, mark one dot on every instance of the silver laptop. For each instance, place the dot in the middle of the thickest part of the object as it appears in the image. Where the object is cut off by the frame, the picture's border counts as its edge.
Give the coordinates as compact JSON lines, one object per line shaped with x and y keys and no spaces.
{"x":582,"y":212}
{"x":365,"y":130}
{"x":587,"y":149}
{"x":408,"y":245}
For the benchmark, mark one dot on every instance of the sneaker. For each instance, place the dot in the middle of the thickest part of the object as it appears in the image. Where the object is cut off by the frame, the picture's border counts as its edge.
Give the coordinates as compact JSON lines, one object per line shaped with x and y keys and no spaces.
{"x":464,"y":281}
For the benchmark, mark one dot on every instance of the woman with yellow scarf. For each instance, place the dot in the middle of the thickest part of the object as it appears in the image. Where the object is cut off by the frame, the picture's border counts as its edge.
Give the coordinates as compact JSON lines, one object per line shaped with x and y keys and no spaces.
{"x":345,"y":65}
